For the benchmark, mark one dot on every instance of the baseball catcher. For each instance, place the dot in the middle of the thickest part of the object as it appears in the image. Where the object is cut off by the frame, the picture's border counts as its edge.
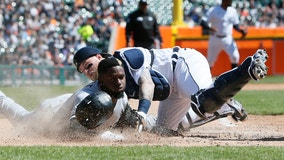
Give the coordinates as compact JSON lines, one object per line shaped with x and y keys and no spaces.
{"x":183,"y":85}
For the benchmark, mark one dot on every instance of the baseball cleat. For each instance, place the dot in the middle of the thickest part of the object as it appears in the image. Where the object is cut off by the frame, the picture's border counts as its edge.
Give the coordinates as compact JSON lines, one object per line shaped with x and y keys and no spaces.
{"x":261,"y":53}
{"x":258,"y":69}
{"x":239,"y":114}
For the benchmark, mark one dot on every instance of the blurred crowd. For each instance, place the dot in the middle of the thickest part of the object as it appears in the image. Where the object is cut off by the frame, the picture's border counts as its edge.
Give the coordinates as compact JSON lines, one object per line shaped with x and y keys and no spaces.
{"x":47,"y":32}
{"x":258,"y":13}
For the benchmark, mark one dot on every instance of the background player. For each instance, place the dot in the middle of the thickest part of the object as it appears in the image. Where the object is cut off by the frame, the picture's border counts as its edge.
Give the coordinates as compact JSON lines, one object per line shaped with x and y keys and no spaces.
{"x":222,"y":19}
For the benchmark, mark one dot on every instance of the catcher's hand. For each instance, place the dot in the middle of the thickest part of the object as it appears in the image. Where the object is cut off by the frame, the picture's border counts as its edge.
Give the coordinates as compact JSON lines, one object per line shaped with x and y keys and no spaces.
{"x":244,"y":33}
{"x":148,"y":122}
{"x":129,"y":118}
{"x":139,"y":120}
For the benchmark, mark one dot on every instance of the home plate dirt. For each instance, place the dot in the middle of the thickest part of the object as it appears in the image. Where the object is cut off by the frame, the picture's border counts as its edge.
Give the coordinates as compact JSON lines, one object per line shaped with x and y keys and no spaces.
{"x":256,"y":131}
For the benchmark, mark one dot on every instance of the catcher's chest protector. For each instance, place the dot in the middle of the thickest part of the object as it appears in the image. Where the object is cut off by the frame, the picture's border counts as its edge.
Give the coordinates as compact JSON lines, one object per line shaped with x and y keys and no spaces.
{"x":133,"y":60}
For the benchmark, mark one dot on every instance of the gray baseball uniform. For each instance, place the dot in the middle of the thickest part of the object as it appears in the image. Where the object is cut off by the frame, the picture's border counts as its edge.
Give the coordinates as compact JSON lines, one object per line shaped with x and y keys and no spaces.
{"x":53,"y":115}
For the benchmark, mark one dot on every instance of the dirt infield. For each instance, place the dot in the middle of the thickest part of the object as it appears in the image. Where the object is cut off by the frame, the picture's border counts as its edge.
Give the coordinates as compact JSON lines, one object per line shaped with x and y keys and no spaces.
{"x":256,"y":131}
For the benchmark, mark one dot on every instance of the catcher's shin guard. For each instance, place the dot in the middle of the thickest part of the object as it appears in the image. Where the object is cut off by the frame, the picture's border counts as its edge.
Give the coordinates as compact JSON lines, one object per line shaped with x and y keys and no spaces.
{"x":229,"y":83}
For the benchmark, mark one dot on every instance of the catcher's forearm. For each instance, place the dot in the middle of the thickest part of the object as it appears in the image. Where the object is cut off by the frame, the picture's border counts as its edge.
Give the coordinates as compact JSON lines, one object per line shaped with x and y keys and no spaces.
{"x":146,"y":91}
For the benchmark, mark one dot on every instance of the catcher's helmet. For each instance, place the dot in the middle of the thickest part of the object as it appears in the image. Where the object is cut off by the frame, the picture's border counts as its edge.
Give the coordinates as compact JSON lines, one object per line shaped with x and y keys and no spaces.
{"x":85,"y":53}
{"x":94,"y":109}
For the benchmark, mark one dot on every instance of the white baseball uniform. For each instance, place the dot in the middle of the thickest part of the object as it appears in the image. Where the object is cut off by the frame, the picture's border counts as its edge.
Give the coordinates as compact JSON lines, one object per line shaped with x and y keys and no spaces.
{"x":52,"y":117}
{"x":190,"y":74}
{"x":223,"y":21}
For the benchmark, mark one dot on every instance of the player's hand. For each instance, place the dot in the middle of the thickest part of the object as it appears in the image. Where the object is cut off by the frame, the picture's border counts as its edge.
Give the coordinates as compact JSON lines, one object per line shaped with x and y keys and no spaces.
{"x":161,"y":45}
{"x":141,"y":122}
{"x":147,"y":122}
{"x":213,"y":30}
{"x":244,"y":33}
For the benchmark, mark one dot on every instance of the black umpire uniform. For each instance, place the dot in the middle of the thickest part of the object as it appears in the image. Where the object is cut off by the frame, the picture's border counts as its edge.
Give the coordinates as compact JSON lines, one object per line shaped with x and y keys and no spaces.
{"x":142,"y":26}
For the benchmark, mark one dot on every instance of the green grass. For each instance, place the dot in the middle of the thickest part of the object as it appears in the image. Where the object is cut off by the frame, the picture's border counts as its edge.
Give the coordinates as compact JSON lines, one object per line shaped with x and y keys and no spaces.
{"x":270,"y":80}
{"x":262,"y":102}
{"x":142,"y":152}
{"x":255,"y":102}
{"x":31,"y":96}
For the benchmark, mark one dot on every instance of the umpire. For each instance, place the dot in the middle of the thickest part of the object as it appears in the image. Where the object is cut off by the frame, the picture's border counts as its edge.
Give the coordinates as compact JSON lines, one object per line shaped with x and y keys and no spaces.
{"x":143,"y":28}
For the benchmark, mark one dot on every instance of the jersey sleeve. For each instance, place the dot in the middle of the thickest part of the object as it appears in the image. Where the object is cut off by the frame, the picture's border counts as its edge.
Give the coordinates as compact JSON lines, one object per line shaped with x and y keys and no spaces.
{"x":235,"y":16}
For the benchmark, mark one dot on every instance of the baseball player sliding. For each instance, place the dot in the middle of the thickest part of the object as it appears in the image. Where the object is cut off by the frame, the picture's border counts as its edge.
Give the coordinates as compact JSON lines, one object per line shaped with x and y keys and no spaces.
{"x":96,"y":107}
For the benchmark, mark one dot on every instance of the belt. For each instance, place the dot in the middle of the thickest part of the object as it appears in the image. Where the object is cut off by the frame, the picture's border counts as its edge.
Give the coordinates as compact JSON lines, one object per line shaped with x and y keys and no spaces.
{"x":175,"y":57}
{"x":152,"y":57}
{"x":221,"y":36}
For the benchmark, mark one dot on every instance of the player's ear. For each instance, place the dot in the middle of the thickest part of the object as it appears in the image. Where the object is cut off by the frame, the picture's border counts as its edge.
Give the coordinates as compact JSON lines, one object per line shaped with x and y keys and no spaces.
{"x":99,"y":56}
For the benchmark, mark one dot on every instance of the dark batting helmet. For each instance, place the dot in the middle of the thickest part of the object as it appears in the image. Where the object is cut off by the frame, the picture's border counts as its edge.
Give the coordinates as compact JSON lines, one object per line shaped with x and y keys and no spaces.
{"x":143,"y":2}
{"x":85,"y":53}
{"x":94,"y":110}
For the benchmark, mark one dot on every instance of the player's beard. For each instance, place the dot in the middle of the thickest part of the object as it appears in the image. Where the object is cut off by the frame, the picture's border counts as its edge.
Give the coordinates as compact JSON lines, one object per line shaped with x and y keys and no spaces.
{"x":116,"y":95}
{"x":94,"y":75}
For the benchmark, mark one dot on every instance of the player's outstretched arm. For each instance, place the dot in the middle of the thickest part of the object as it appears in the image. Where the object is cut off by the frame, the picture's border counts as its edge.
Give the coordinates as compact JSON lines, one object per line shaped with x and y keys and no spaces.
{"x":146,"y":91}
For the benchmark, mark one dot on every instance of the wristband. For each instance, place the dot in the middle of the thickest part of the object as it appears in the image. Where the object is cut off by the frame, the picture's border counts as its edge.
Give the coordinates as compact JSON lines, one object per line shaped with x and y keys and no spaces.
{"x":144,"y":105}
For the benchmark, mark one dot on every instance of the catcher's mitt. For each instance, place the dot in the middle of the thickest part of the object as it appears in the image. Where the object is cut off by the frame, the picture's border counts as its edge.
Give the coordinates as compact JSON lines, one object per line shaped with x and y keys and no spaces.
{"x":129,"y":118}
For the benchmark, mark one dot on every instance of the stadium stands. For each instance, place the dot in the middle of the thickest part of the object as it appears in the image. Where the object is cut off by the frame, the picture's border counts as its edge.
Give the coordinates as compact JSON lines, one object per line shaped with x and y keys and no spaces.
{"x":34,"y":32}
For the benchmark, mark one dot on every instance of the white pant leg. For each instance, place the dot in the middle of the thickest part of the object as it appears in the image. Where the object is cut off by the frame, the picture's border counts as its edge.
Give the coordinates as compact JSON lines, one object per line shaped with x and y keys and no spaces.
{"x":192,"y":73}
{"x":53,"y":115}
{"x":230,"y":47}
{"x":11,"y":110}
{"x":214,"y":48}
{"x":172,"y":110}
{"x":40,"y":120}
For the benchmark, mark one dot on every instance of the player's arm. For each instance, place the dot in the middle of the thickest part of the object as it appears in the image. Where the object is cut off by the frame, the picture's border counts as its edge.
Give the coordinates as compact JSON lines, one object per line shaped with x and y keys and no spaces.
{"x":156,"y":30}
{"x":206,"y":26}
{"x":128,"y":30}
{"x":146,"y":91}
{"x":242,"y":31}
